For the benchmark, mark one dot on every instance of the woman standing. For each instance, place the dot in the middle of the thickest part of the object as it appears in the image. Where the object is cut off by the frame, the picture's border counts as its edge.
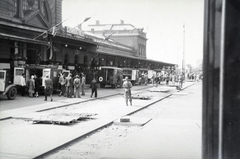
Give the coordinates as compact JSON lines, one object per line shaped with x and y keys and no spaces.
{"x":31,"y":86}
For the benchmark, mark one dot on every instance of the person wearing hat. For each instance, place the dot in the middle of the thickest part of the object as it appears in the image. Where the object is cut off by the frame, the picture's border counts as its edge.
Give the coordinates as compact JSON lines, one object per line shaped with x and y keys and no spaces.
{"x":76,"y":85}
{"x":48,"y":88}
{"x":83,"y":83}
{"x":127,"y":85}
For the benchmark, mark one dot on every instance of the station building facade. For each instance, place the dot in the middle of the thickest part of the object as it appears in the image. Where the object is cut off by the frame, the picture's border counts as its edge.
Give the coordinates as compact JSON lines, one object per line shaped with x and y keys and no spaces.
{"x":32,"y":36}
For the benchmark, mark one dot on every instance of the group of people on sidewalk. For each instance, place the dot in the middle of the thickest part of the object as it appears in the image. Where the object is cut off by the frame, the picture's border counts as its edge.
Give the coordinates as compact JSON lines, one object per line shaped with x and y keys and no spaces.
{"x":69,"y":86}
{"x":32,"y":85}
{"x":169,"y":78}
{"x":72,"y":86}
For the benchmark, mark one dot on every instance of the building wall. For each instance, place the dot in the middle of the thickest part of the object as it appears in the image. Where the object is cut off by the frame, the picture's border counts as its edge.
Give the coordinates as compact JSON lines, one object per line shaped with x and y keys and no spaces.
{"x":125,"y":34}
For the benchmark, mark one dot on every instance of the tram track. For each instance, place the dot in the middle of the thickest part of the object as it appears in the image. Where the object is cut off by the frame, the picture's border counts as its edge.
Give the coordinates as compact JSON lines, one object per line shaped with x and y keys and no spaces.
{"x":104,"y":127}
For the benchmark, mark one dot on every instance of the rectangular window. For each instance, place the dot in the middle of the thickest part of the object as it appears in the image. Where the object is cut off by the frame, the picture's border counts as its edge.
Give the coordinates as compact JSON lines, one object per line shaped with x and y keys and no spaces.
{"x":2,"y":75}
{"x":19,"y":72}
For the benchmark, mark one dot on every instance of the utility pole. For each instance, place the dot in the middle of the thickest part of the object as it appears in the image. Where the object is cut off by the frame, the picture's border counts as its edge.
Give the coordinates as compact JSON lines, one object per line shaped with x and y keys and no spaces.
{"x":183,"y":58}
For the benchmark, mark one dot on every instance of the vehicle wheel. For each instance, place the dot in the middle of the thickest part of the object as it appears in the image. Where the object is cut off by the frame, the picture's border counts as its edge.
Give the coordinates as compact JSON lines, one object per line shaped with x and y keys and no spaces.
{"x":133,"y":83}
{"x":12,"y":93}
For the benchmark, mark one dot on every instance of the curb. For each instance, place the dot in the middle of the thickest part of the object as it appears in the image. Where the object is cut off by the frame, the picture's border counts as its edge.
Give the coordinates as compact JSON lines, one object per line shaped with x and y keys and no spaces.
{"x":102,"y":126}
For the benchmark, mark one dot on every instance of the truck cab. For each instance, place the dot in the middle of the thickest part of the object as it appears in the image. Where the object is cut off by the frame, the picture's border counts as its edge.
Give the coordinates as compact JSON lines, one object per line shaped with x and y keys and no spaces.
{"x":8,"y":84}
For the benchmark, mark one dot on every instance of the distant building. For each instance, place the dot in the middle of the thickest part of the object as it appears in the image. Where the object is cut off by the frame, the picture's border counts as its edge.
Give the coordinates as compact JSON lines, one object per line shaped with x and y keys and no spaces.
{"x":122,"y":33}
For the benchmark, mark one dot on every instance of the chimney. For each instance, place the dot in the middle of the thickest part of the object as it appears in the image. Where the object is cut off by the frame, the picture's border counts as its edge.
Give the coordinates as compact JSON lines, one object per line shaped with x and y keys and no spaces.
{"x":122,"y":22}
{"x":97,"y":22}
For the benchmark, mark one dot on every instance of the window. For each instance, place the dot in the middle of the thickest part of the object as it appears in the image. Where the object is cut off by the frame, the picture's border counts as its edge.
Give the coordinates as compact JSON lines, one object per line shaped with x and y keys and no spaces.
{"x":19,"y":72}
{"x":2,"y":75}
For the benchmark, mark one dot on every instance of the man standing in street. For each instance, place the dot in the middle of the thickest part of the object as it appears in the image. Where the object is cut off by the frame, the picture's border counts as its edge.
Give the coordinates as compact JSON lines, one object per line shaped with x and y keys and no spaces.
{"x":127,"y":85}
{"x":48,"y":88}
{"x":23,"y":84}
{"x":94,"y":87}
{"x":76,"y":84}
{"x":69,"y":86}
{"x":83,"y":84}
{"x":181,"y":79}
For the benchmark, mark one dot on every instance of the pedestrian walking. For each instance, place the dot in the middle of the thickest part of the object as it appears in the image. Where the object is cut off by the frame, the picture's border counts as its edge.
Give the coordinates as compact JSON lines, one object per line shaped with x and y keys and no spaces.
{"x":181,"y":79}
{"x":48,"y":88}
{"x":23,"y":84}
{"x":127,"y":85}
{"x":60,"y":76}
{"x":83,"y":83}
{"x":31,"y":86}
{"x":37,"y":85}
{"x":77,"y":88}
{"x":146,"y":78}
{"x":153,"y":79}
{"x":69,"y":86}
{"x":167,"y":79}
{"x":62,"y":81}
{"x":93,"y":85}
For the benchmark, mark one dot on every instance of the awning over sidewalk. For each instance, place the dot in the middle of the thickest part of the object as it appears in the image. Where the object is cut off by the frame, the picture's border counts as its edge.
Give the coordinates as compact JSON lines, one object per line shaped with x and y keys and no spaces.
{"x":22,"y":39}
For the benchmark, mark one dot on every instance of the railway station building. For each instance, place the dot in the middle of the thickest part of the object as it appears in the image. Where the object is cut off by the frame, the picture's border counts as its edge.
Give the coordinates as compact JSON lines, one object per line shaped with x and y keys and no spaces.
{"x":32,"y":36}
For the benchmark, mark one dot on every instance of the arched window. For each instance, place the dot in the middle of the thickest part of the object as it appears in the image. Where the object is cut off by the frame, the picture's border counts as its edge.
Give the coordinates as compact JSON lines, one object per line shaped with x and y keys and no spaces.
{"x":65,"y":61}
{"x":85,"y":61}
{"x":76,"y":59}
{"x":93,"y":63}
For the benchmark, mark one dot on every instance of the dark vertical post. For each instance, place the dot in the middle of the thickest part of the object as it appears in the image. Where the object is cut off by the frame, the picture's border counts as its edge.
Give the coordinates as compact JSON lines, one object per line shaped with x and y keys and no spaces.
{"x":211,"y":78}
{"x":221,"y":84}
{"x":231,"y":95}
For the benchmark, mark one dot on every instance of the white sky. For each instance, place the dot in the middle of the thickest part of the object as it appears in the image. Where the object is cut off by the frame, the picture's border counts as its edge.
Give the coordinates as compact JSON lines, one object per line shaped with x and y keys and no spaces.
{"x":162,"y":20}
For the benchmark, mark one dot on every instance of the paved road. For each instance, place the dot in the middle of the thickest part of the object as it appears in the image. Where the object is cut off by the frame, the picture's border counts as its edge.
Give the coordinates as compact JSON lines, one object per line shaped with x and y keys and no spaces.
{"x":23,"y":139}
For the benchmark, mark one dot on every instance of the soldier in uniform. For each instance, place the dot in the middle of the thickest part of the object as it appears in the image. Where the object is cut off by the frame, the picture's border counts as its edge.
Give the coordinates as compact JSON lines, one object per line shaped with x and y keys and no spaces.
{"x":48,"y":88}
{"x":127,"y":85}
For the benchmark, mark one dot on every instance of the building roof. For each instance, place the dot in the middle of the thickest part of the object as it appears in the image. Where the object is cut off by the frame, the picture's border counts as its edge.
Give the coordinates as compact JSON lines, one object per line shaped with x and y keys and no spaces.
{"x":102,"y":27}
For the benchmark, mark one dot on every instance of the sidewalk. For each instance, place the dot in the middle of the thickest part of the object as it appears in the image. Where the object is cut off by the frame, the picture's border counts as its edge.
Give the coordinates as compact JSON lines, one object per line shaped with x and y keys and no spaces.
{"x":175,"y":134}
{"x":23,"y":139}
